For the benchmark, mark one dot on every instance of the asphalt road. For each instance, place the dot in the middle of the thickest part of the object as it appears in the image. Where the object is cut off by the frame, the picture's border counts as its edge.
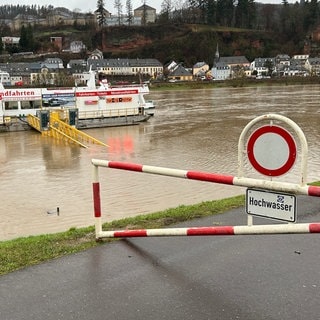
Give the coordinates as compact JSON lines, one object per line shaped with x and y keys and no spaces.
{"x":214,"y":277}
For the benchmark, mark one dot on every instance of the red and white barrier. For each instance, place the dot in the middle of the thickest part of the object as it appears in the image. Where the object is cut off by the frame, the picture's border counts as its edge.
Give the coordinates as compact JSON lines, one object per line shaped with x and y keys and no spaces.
{"x":212,"y":177}
{"x":208,"y":177}
{"x":215,"y":231}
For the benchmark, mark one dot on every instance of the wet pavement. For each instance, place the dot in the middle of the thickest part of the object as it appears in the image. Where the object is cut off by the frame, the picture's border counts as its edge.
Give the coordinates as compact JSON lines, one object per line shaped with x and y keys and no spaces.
{"x":217,"y":277}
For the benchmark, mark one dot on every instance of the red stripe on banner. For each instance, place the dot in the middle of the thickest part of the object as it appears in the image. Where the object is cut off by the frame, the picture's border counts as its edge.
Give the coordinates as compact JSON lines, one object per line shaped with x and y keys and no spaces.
{"x":211,"y":177}
{"x":125,"y":166}
{"x":96,"y":199}
{"x":207,"y":231}
{"x":314,"y":227}
{"x":130,"y":233}
{"x":314,"y":191}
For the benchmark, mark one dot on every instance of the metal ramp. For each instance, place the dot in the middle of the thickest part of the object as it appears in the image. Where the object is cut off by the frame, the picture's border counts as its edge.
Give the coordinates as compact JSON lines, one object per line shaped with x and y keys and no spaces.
{"x":59,"y":129}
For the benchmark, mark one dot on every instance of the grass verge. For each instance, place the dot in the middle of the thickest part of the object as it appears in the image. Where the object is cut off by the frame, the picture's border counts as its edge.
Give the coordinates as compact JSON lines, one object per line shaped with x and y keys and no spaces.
{"x":234,"y":83}
{"x":22,"y":252}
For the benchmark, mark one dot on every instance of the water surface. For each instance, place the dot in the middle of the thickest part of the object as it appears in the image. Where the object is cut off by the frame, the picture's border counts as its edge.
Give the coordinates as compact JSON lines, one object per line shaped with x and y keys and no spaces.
{"x":192,"y":130}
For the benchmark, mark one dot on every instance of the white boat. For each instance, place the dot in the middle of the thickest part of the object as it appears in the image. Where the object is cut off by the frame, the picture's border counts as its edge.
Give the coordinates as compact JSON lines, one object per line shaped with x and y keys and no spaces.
{"x":95,"y":107}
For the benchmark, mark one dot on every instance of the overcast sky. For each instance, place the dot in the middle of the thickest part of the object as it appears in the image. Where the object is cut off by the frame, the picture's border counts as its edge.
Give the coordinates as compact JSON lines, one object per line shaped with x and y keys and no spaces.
{"x":91,"y":5}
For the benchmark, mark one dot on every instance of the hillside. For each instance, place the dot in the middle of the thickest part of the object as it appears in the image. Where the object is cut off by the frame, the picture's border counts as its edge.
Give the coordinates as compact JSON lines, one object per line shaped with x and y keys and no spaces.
{"x":191,"y":43}
{"x":187,"y":43}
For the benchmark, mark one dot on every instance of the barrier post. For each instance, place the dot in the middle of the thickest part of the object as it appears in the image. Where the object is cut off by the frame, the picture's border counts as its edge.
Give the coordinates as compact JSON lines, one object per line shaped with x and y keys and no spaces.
{"x":97,"y":201}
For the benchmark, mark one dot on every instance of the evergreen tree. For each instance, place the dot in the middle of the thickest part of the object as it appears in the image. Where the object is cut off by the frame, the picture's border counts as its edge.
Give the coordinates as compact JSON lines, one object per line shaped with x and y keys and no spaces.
{"x":26,"y":41}
{"x":30,"y":38}
{"x":245,"y":14}
{"x":23,"y":42}
{"x":311,"y":15}
{"x":225,"y":12}
{"x":101,"y":14}
{"x":1,"y":45}
{"x":252,"y":14}
{"x":211,"y":10}
{"x":202,"y":6}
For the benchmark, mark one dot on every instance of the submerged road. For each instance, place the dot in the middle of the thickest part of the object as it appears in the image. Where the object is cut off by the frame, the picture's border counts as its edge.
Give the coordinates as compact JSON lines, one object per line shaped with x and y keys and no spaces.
{"x":222,"y":277}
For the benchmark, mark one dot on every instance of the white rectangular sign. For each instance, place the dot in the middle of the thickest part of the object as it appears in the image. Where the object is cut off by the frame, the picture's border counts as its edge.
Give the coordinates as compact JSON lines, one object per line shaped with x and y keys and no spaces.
{"x":272,"y":205}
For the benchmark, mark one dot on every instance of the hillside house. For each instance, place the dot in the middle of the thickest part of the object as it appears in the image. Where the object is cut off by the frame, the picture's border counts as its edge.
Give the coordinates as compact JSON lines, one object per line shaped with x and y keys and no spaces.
{"x":8,"y":41}
{"x":179,"y":73}
{"x":77,"y":64}
{"x":146,"y":12}
{"x":96,"y":54}
{"x":18,"y":72}
{"x":313,"y":66}
{"x":262,"y":66}
{"x":127,"y":67}
{"x":200,"y":69}
{"x":58,"y":16}
{"x":295,"y":69}
{"x":282,"y":59}
{"x":302,"y":58}
{"x":220,"y":71}
{"x":229,"y":67}
{"x":235,"y":61}
{"x":77,"y":46}
{"x":57,"y":42}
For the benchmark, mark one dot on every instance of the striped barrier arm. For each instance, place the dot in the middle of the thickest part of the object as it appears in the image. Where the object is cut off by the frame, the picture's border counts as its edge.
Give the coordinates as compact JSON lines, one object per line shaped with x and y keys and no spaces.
{"x":215,"y":231}
{"x":212,"y":177}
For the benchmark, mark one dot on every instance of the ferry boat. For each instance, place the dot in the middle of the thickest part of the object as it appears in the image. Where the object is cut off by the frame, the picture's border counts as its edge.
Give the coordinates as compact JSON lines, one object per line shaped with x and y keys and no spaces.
{"x":96,"y":106}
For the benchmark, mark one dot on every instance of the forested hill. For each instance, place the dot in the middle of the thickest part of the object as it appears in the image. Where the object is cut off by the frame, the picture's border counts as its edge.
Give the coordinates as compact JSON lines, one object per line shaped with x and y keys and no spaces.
{"x":190,"y":34}
{"x":190,"y":43}
{"x":187,"y":43}
{"x":9,"y":11}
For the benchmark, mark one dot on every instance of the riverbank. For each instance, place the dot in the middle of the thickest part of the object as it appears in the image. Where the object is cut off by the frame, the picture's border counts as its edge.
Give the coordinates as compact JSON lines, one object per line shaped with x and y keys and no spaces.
{"x":236,"y":83}
{"x":22,"y":252}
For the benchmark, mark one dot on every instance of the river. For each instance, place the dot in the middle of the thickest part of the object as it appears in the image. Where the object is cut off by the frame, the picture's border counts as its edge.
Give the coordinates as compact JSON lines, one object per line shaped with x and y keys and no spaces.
{"x":192,"y":130}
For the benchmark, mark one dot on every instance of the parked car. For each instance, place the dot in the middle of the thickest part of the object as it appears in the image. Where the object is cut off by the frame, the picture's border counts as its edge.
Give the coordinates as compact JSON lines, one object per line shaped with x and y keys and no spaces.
{"x":54,"y":102}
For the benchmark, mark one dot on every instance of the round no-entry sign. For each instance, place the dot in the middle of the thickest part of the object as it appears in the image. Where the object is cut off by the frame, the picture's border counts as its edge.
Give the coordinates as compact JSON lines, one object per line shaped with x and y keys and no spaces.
{"x":271,"y":150}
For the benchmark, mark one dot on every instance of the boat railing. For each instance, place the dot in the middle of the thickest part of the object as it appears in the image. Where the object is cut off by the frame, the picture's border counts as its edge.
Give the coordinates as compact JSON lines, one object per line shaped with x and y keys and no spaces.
{"x":114,"y":113}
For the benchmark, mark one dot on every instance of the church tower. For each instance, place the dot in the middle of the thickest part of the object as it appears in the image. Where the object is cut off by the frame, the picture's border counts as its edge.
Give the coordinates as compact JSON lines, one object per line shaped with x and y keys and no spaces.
{"x":216,"y":56}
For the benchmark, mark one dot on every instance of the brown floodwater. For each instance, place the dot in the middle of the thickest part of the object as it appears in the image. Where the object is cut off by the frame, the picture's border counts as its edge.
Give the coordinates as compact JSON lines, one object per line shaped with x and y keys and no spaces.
{"x":192,"y":130}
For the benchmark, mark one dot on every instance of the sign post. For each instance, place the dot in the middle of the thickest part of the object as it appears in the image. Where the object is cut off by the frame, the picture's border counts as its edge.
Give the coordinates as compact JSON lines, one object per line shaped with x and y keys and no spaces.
{"x":272,"y":151}
{"x":279,"y":206}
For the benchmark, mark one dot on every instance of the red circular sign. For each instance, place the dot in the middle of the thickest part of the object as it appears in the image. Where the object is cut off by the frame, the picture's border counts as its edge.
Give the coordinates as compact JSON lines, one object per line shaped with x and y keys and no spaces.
{"x":271,"y":150}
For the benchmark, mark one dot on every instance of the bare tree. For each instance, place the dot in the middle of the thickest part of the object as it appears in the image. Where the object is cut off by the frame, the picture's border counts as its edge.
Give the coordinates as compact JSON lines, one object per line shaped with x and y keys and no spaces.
{"x":144,"y":13}
{"x":166,"y":8}
{"x":129,"y":12}
{"x":118,"y":6}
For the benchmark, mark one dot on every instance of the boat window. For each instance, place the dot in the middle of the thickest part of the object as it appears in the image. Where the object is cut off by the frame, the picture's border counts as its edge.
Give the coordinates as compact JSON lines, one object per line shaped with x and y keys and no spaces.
{"x":11,"y":105}
{"x":33,"y":104}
